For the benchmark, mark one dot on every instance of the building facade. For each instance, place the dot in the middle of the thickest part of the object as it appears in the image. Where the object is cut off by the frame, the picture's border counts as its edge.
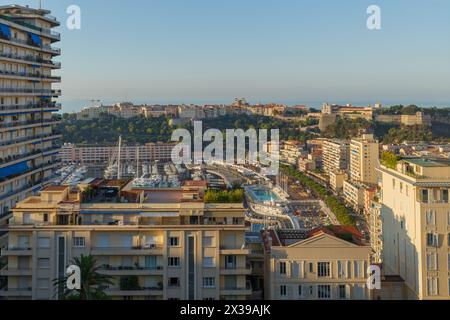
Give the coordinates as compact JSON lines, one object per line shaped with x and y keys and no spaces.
{"x":28,"y":144}
{"x":335,"y":155}
{"x":97,"y":154}
{"x":169,"y":244}
{"x":415,"y":213}
{"x":328,"y":263}
{"x":364,"y":159}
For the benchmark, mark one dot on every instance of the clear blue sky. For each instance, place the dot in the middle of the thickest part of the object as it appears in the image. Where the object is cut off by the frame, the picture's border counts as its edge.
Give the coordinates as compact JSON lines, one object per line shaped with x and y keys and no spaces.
{"x":287,"y":51}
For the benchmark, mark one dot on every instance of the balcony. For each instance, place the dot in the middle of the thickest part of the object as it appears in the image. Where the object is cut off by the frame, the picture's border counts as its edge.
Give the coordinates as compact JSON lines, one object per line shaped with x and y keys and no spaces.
{"x":31,"y":59}
{"x":235,"y":291}
{"x":10,"y":160}
{"x":121,"y":251}
{"x":235,"y":270}
{"x":125,"y":271}
{"x":38,"y":76}
{"x":16,"y":251}
{"x":16,"y":292}
{"x":21,"y":189}
{"x":32,"y":170}
{"x":53,"y":34}
{"x":8,"y":272}
{"x":144,"y":291}
{"x":227,"y":250}
{"x":47,"y":48}
{"x":17,"y":124}
{"x":31,"y":139}
{"x":29,"y":107}
{"x":29,"y":92}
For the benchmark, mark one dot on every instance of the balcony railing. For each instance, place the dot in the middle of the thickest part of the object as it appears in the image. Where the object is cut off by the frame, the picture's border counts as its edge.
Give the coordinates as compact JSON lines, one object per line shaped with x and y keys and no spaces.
{"x":149,"y":247}
{"x":30,"y":106}
{"x":38,"y":167}
{"x":24,"y":123}
{"x":29,"y":75}
{"x":30,"y":58}
{"x":29,"y":138}
{"x":129,"y":268}
{"x":43,"y":47}
{"x":34,"y":27}
{"x":43,"y":92}
{"x":22,"y":188}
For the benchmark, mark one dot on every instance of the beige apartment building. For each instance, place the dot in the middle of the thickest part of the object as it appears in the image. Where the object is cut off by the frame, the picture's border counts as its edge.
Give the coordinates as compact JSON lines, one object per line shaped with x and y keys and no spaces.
{"x":326,"y":263}
{"x":337,"y":179}
{"x":353,"y":192}
{"x":335,"y":155}
{"x":291,"y":151}
{"x":85,"y":154}
{"x":28,"y":144}
{"x":175,"y":244}
{"x":415,"y":212}
{"x":364,"y":159}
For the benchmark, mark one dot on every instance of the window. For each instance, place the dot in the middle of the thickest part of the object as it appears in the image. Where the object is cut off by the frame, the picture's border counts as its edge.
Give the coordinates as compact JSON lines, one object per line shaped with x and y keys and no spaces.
{"x":43,"y":242}
{"x":424,"y":195}
{"x":445,"y":195}
{"x":324,"y":291}
{"x":323,"y":269}
{"x":174,"y":262}
{"x":448,"y":239}
{"x":342,"y":291}
{"x":448,"y":262}
{"x":79,"y":242}
{"x":43,"y":263}
{"x":342,"y":269}
{"x":431,"y":261}
{"x":430,"y":217}
{"x":174,"y":282}
{"x":311,"y":267}
{"x":283,"y":291}
{"x":209,"y":282}
{"x":432,"y":240}
{"x":208,"y":241}
{"x":401,"y":187}
{"x":432,"y":286}
{"x":45,"y":217}
{"x":230,"y":262}
{"x":358,"y":269}
{"x":173,"y":242}
{"x":209,"y":262}
{"x":300,"y":291}
{"x":43,"y":283}
{"x":282,"y":267}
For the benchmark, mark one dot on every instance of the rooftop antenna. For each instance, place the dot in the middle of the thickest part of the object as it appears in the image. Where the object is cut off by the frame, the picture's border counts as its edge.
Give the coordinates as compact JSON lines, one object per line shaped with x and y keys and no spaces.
{"x":40,"y":4}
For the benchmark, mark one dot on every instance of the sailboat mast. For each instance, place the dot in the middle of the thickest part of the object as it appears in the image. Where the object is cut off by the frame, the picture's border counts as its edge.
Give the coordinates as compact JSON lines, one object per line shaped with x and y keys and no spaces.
{"x":119,"y":159}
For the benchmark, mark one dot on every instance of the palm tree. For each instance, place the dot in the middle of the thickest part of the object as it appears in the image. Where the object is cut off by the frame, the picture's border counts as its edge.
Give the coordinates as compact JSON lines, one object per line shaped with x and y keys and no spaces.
{"x":93,"y":283}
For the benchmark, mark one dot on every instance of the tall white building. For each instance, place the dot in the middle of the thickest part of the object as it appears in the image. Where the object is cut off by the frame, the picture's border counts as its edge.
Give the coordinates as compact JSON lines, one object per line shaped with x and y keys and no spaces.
{"x":364,"y":159}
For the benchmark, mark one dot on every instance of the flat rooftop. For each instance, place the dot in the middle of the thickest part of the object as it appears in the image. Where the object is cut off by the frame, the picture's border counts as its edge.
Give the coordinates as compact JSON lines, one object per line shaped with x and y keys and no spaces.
{"x":424,"y":162}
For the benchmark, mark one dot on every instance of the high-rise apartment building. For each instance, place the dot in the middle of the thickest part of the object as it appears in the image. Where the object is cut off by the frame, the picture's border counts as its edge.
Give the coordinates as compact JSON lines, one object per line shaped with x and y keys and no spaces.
{"x":335,"y":155}
{"x":415,"y":215}
{"x":156,"y":244}
{"x":364,"y":159}
{"x":28,"y":145}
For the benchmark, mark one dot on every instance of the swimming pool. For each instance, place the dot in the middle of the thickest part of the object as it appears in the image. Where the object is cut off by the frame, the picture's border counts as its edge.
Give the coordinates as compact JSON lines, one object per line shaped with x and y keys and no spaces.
{"x":262,"y":194}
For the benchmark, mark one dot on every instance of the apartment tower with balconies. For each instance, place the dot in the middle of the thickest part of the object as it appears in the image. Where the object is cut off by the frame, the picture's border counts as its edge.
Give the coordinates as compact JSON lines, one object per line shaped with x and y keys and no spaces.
{"x":28,"y":144}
